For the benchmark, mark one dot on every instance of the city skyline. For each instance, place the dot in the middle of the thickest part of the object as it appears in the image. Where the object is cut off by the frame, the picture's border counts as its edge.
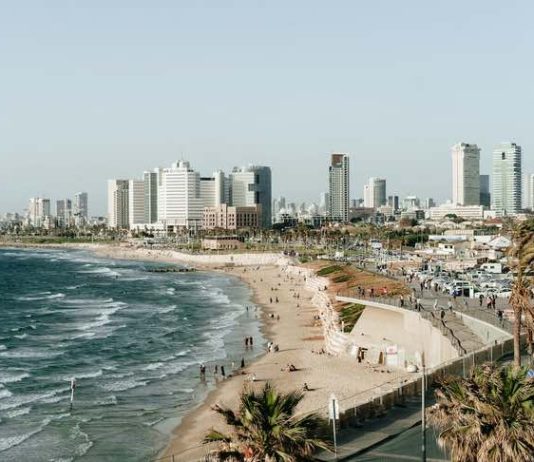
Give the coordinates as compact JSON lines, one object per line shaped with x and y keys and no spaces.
{"x":281,"y":85}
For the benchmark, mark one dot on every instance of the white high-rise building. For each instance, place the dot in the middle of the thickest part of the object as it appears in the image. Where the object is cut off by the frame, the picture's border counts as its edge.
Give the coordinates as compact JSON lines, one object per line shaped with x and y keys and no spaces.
{"x":324,"y":201}
{"x":214,"y":190}
{"x":180,"y":201}
{"x":506,"y":178}
{"x":465,"y":174}
{"x":528,"y":191}
{"x":64,"y":212}
{"x":81,"y":212}
{"x":374,"y":193}
{"x":136,"y":203}
{"x":339,"y":194}
{"x":251,"y":186}
{"x":38,"y":211}
{"x":118,"y":198}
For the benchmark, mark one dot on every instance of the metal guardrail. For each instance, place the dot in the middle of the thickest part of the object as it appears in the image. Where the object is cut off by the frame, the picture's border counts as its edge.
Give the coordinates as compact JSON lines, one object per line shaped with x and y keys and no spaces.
{"x":425,"y":312}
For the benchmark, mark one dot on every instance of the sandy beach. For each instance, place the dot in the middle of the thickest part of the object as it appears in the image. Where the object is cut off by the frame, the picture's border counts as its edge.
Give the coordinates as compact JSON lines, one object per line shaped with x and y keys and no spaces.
{"x":290,"y":321}
{"x":297,"y":333}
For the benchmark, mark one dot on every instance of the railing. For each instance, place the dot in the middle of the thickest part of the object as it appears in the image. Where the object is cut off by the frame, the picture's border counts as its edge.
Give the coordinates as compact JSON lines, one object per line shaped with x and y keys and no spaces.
{"x":426,"y":313}
{"x":376,"y":401}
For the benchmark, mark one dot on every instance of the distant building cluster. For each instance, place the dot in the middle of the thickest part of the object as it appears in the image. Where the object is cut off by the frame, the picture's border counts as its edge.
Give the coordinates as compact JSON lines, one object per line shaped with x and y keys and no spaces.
{"x":178,"y":197}
{"x":40,"y":213}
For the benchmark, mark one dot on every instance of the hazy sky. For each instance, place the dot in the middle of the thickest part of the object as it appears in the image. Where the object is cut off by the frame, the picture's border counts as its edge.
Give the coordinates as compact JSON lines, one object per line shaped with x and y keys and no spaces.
{"x":106,"y":89}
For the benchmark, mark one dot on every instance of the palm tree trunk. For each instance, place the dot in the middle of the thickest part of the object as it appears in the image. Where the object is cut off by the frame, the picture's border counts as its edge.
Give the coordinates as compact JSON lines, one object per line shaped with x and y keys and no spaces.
{"x":517,"y":337}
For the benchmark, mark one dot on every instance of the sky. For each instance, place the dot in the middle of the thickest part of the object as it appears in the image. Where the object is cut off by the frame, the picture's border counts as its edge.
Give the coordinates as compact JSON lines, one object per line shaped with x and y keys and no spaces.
{"x":92,"y":90}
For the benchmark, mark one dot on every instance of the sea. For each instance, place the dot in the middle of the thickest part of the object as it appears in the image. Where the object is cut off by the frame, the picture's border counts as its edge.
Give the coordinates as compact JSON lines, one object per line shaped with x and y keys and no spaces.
{"x":133,"y":339}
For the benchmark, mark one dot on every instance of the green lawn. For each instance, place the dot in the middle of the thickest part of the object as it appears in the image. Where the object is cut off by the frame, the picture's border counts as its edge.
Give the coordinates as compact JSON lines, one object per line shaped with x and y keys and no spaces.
{"x":350,"y":315}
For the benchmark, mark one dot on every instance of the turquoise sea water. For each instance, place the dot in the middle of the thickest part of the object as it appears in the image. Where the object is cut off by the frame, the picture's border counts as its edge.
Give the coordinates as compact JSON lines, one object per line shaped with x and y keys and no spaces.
{"x":133,"y":339}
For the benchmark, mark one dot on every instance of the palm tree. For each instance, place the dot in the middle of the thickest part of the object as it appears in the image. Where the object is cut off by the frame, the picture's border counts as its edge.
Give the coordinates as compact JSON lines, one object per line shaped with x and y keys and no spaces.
{"x":266,"y":429}
{"x":521,"y":255}
{"x":486,"y":417}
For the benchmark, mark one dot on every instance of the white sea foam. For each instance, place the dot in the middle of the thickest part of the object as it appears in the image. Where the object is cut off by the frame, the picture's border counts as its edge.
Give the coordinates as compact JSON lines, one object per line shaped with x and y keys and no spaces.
{"x":40,"y":296}
{"x":3,"y":347}
{"x":21,"y":400}
{"x":102,"y":271}
{"x":21,"y":336}
{"x":104,"y":316}
{"x":123,"y":385}
{"x":18,"y":412}
{"x":84,"y":375}
{"x":166,"y":309}
{"x":12,"y":441}
{"x":107,"y":401}
{"x":152,"y":366}
{"x":4,"y":392}
{"x":83,"y":447}
{"x":12,"y":376}
{"x":26,"y":352}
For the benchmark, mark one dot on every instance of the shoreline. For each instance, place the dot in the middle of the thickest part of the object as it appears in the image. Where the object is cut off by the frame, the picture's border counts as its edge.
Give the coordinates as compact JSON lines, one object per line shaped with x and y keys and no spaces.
{"x":298,"y":332}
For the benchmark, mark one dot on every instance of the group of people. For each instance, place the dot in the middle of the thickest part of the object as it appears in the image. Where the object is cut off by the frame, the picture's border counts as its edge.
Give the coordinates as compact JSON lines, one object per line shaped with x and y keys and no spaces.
{"x":272,"y":348}
{"x":249,"y":342}
{"x":216,"y":369}
{"x":289,"y":368}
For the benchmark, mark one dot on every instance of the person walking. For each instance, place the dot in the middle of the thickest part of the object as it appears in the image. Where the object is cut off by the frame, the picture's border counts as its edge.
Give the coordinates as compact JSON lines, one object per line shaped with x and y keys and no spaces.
{"x":449,"y":305}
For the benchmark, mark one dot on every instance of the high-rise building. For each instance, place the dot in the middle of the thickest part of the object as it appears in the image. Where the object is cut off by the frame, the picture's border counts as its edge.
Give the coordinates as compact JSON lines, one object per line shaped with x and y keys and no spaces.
{"x":251,"y":186}
{"x":118,"y":213}
{"x":528,"y":192}
{"x":214,"y":189}
{"x":80,"y":211}
{"x":180,"y":201}
{"x":506,"y":187}
{"x":465,"y":174}
{"x":374,"y":193}
{"x":324,"y":200}
{"x":485,"y":194}
{"x":429,"y":203}
{"x":393,"y":202}
{"x":339,"y":194}
{"x":136,"y":202}
{"x":38,"y":211}
{"x":64,"y":212}
{"x":151,"y":182}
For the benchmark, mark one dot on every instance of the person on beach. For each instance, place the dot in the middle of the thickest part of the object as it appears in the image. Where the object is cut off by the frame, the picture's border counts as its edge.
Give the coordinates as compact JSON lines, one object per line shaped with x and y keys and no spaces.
{"x":270,"y":299}
{"x":223,"y":373}
{"x":251,"y":341}
{"x":305,"y":387}
{"x":246,"y":342}
{"x":202,"y":371}
{"x":242,"y":363}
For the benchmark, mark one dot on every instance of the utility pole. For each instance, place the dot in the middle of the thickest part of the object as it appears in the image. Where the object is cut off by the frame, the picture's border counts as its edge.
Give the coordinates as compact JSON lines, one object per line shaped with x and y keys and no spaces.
{"x":423,"y":416}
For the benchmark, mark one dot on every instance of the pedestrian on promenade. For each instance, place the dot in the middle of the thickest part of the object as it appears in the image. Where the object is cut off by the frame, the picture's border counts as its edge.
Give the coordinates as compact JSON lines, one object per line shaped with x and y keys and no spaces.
{"x":449,"y":305}
{"x":481,"y":299}
{"x":435,"y":304}
{"x":402,"y":301}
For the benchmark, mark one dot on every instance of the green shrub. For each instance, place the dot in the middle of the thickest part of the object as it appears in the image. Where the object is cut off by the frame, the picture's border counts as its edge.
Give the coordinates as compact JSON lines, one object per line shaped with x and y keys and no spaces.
{"x":342,"y":278}
{"x":328,"y":270}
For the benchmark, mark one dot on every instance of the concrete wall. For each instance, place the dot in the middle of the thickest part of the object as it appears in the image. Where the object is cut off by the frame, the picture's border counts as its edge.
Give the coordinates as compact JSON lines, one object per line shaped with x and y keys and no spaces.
{"x":382,"y":327}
